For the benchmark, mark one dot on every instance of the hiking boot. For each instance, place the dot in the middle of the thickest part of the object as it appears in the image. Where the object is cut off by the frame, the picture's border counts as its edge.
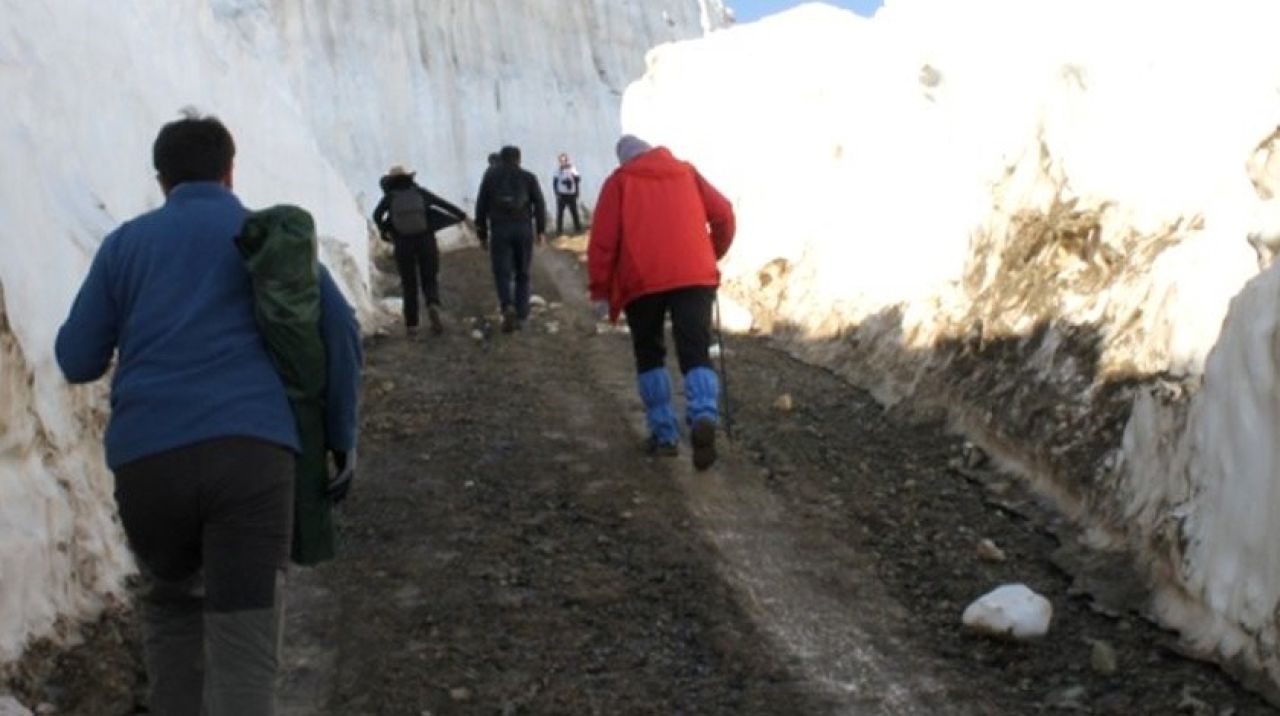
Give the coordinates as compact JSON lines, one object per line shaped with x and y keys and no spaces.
{"x":433,"y":315}
{"x":703,"y":437}
{"x":653,"y":447}
{"x":508,"y":319}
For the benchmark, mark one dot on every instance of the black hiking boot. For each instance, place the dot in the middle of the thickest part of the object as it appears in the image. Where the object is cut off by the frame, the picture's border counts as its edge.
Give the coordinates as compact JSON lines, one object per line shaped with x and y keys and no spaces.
{"x":508,"y":319}
{"x":703,"y":437}
{"x":433,"y":316}
{"x":653,"y":447}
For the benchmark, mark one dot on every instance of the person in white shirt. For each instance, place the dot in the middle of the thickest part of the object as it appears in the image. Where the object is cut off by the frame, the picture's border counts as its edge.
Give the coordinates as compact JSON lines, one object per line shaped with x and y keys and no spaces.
{"x":565,"y":183}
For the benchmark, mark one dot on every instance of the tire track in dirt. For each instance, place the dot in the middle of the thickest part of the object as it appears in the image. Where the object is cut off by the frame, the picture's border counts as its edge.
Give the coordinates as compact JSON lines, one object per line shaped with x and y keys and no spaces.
{"x":783,"y":574}
{"x":508,"y":550}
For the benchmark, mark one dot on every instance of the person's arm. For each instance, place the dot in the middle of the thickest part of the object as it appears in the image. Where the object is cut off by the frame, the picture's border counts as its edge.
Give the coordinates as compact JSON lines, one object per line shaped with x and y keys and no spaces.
{"x":343,"y":360}
{"x":382,"y":216}
{"x":603,"y":247}
{"x":450,"y":209}
{"x":719,"y":216}
{"x":539,"y":205}
{"x":87,"y":339}
{"x":482,"y":208}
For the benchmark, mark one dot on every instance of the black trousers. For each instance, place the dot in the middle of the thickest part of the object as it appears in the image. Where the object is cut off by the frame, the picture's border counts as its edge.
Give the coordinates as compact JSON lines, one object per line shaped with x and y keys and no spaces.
{"x":570,"y":202}
{"x":510,"y":257}
{"x":211,"y":525}
{"x":690,"y":310}
{"x":418,"y":261}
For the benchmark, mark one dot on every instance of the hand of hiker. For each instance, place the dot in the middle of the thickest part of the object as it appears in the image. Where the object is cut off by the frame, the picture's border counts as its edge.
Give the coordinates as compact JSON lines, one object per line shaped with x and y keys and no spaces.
{"x":600,"y":308}
{"x":484,"y":241}
{"x":340,"y":482}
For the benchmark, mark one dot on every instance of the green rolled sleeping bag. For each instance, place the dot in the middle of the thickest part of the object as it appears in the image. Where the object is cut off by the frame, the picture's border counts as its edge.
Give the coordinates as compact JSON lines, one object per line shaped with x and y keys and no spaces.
{"x":279,"y":250}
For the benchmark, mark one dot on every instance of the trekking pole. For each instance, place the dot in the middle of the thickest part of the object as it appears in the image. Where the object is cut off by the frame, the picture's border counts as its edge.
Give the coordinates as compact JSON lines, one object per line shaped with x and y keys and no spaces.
{"x":724,"y":376}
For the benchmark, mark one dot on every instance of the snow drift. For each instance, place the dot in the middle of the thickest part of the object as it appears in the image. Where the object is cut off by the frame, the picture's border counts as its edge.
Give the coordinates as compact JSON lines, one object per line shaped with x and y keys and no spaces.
{"x":322,"y":97}
{"x":1038,"y":215}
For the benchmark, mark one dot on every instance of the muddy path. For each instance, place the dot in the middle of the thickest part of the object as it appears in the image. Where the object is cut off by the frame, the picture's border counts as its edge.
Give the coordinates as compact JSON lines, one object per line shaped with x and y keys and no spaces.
{"x":508,"y":549}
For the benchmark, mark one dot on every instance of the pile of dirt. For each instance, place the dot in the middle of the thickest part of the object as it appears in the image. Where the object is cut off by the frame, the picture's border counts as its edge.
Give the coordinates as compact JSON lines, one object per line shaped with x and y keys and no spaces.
{"x":101,"y":675}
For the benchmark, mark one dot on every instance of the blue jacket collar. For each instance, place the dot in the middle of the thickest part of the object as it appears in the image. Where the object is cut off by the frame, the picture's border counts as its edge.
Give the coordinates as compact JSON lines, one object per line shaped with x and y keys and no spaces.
{"x":189,"y":190}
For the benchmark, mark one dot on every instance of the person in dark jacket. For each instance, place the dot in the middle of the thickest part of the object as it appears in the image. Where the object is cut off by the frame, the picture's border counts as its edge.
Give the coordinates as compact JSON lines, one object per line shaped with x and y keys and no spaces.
{"x":658,"y":231}
{"x":510,"y":212}
{"x":565,"y":182}
{"x":201,"y":437}
{"x":409,"y":216}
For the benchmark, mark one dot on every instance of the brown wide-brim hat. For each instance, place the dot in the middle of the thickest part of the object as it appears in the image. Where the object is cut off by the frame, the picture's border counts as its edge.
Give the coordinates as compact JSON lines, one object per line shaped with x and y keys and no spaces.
{"x":399,"y":171}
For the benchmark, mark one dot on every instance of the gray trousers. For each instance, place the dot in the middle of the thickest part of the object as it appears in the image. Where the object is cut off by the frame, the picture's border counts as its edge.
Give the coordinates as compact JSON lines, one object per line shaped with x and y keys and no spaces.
{"x":210,"y":525}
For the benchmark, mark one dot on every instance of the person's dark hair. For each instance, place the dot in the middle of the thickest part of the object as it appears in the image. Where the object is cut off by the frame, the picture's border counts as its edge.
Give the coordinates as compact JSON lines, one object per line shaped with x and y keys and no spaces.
{"x":494,"y":159}
{"x":510,"y":154}
{"x":193,"y":149}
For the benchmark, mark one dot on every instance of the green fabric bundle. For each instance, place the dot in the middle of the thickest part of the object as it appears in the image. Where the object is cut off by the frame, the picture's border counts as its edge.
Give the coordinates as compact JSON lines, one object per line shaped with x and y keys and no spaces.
{"x":279,"y":250}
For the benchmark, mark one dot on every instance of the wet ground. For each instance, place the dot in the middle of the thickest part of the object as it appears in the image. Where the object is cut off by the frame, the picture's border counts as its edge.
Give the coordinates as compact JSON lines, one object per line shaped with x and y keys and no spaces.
{"x":508,"y":550}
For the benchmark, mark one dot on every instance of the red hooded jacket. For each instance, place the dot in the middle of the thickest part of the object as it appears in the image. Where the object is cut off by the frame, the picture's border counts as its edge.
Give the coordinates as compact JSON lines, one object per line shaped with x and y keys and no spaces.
{"x":650,"y":233}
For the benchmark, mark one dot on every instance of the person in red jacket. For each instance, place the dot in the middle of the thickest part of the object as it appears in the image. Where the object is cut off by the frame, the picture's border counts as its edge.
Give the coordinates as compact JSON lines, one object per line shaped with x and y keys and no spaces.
{"x":658,"y":231}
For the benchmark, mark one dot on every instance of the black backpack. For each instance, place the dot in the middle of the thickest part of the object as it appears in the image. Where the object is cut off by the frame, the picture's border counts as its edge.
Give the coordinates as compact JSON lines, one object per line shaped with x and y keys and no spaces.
{"x":510,"y":194}
{"x":409,"y":212}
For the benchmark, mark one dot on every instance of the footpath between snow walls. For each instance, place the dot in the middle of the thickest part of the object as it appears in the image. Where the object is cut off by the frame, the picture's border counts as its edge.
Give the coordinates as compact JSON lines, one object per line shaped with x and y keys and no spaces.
{"x":1037,"y":215}
{"x":322,"y":96}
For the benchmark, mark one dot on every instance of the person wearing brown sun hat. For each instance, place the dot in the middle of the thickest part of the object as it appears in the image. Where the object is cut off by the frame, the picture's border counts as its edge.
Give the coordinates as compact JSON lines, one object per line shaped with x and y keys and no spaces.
{"x":408,"y":216}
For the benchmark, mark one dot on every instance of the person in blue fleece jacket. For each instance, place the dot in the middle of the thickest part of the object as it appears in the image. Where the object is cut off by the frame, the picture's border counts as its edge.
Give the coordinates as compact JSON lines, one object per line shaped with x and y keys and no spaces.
{"x":201,"y":438}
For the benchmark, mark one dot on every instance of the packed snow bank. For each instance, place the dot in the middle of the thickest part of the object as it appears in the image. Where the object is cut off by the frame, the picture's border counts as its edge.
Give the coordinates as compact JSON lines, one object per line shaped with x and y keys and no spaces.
{"x":322,"y":98}
{"x":438,"y":86}
{"x":1038,"y":215}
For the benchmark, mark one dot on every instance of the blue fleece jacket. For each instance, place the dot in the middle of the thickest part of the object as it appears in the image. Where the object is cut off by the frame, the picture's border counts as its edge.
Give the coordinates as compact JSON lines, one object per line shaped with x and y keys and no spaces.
{"x":169,"y":291}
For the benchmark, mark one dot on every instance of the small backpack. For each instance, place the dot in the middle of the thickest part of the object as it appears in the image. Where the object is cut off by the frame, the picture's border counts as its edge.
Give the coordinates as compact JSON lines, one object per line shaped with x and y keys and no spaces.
{"x":510,"y":195}
{"x":409,"y":212}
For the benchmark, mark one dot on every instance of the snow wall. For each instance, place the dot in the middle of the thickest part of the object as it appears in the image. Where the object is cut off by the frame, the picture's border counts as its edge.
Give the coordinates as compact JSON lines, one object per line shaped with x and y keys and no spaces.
{"x":322,"y":97}
{"x":1042,"y":216}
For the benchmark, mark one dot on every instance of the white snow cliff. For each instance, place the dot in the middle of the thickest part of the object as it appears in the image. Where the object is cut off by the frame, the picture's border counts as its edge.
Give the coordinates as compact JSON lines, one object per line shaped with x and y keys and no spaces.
{"x":1049,"y":217}
{"x":322,"y":97}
